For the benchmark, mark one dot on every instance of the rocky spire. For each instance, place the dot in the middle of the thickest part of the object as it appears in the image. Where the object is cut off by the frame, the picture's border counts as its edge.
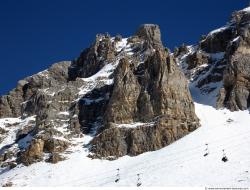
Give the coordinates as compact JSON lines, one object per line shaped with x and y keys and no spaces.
{"x":152,"y":95}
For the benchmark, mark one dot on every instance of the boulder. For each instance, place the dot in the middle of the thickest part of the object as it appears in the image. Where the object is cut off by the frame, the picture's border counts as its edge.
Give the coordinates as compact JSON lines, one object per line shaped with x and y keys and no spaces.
{"x":34,"y":152}
{"x":54,"y":145}
{"x":55,"y":158}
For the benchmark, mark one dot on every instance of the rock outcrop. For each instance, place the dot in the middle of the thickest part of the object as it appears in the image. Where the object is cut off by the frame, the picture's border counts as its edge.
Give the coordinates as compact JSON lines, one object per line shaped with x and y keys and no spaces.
{"x":34,"y":152}
{"x":44,"y":104}
{"x":235,"y":93}
{"x":151,"y":34}
{"x":127,"y":93}
{"x":153,"y":91}
{"x":92,"y":59}
{"x":55,"y":157}
{"x":219,"y":65}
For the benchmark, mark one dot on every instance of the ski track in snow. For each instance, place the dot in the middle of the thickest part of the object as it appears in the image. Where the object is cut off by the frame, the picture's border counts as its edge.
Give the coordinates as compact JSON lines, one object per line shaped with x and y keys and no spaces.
{"x":179,"y":164}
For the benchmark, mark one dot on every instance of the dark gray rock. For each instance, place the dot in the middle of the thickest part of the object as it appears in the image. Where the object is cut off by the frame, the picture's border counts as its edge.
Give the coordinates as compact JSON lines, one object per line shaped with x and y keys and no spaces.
{"x":217,"y":42}
{"x":196,"y":59}
{"x":93,"y":58}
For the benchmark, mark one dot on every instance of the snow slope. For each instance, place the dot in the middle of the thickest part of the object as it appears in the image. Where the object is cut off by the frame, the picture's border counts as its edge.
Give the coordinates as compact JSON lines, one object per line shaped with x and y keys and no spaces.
{"x":180,"y":164}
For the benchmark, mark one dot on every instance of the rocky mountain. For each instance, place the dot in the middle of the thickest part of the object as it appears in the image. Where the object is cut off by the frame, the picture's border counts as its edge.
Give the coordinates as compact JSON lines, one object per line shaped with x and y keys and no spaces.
{"x":219,"y":65}
{"x":127,"y":95}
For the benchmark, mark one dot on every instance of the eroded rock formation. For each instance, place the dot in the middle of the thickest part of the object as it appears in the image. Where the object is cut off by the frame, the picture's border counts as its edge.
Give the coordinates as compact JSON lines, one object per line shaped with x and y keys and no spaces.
{"x":219,"y":65}
{"x":155,"y":92}
{"x":127,"y":93}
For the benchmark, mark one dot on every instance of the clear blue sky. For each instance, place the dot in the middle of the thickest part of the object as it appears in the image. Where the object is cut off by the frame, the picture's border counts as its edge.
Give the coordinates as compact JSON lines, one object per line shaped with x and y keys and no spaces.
{"x":36,"y":33}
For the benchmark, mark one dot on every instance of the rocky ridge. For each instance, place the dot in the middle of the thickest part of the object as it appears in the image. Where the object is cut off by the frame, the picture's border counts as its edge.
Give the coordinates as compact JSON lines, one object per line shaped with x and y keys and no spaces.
{"x":218,"y":67}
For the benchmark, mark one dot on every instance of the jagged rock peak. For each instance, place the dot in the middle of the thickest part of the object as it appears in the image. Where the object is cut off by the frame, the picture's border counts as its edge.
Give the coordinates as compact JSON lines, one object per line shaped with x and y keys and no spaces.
{"x":151,"y":33}
{"x":127,"y":93}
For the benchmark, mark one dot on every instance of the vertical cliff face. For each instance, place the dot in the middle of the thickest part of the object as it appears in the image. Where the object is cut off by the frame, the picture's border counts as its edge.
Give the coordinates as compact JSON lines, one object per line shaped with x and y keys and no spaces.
{"x":235,"y":94}
{"x":219,"y":65}
{"x":127,"y":94}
